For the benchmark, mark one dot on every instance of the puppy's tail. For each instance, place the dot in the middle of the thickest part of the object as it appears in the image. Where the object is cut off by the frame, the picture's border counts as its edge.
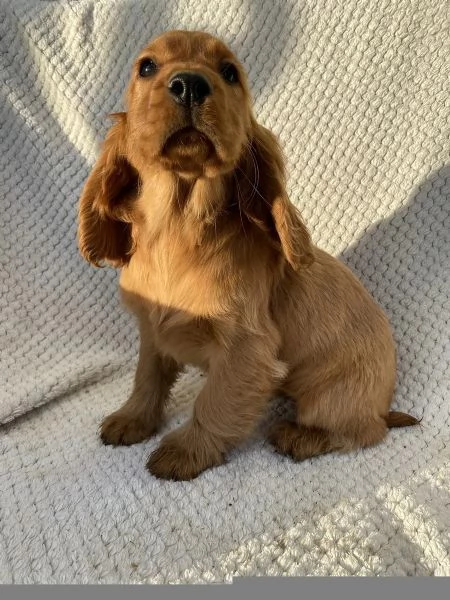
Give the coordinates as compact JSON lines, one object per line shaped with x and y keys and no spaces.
{"x":400,"y":419}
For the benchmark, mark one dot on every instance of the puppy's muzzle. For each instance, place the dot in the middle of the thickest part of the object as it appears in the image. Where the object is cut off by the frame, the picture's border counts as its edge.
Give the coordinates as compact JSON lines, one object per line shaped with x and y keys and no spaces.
{"x":189,"y":89}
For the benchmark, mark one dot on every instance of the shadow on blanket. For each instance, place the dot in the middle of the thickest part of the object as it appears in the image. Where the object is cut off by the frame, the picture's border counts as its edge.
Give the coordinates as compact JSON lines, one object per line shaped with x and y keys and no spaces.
{"x":264,"y":19}
{"x":402,"y":261}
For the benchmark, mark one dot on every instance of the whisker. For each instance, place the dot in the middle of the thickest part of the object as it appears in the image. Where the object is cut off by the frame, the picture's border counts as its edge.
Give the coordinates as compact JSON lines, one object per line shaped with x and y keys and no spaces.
{"x":239,"y":202}
{"x":255,"y":164}
{"x":215,"y":228}
{"x":256,"y":191}
{"x":255,"y":183}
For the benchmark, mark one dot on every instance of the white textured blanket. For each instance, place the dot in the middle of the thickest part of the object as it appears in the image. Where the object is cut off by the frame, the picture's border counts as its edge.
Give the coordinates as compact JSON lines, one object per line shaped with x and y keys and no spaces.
{"x":358,"y":92}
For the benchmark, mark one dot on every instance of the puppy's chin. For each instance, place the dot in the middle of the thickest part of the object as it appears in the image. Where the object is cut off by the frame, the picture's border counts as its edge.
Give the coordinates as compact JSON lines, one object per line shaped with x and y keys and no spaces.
{"x":188,"y":151}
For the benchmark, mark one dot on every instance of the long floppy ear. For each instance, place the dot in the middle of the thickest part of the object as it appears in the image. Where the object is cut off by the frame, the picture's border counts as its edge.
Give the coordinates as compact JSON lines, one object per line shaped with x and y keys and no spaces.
{"x":266,"y":202}
{"x":104,"y":230}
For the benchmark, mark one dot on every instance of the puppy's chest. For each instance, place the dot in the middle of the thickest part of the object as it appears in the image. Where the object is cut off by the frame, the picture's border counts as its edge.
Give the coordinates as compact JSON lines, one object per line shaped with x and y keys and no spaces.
{"x":183,"y":296}
{"x":187,"y":339}
{"x":179,"y":277}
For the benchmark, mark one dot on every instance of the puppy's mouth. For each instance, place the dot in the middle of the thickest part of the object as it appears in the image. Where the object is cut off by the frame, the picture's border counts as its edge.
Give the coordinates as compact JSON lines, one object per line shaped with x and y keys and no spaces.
{"x":188,"y":144}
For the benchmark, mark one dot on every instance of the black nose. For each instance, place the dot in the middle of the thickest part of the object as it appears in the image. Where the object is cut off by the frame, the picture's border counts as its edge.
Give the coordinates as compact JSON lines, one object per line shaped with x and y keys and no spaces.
{"x":189,"y":89}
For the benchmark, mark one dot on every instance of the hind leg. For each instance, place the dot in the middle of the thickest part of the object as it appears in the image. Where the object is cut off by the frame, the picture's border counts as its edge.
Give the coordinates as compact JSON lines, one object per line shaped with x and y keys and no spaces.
{"x":325,"y":423}
{"x":301,"y":442}
{"x":335,"y":411}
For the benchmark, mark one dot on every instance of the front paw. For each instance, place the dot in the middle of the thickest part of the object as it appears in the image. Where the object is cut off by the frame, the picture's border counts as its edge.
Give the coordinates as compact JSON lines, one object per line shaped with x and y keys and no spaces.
{"x":180,"y":458}
{"x":122,"y":428}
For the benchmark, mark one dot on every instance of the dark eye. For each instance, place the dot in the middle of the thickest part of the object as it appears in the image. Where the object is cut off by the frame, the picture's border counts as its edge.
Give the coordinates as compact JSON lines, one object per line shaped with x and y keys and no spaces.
{"x":147,"y":67}
{"x":229,"y":73}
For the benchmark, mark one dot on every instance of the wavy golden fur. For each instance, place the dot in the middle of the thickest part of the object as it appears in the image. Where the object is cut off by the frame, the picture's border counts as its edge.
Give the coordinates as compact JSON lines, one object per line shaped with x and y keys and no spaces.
{"x":188,"y":197}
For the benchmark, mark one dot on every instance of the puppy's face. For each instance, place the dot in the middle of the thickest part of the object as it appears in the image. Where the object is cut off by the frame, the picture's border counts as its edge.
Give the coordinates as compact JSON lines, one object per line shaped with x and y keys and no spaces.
{"x":189,"y":115}
{"x":188,"y":105}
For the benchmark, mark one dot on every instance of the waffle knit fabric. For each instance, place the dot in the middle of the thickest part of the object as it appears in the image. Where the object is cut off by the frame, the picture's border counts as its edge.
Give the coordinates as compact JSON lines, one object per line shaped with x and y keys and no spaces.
{"x":358,"y":93}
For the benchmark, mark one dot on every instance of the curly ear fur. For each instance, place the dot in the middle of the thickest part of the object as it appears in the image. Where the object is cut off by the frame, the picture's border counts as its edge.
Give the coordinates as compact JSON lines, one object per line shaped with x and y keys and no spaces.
{"x":266,"y":202}
{"x":104,"y":230}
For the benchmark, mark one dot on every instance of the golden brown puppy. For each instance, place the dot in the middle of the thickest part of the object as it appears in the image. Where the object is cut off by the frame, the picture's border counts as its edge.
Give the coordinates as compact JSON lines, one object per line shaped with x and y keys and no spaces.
{"x":188,"y":197}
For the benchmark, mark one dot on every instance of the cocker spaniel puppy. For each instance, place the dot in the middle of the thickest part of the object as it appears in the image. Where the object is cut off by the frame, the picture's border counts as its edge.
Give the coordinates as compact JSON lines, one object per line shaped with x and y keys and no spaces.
{"x":188,"y":197}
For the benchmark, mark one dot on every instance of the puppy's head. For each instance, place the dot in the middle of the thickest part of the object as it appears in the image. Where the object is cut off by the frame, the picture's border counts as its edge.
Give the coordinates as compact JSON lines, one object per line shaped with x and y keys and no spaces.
{"x":188,"y":105}
{"x":189,"y":114}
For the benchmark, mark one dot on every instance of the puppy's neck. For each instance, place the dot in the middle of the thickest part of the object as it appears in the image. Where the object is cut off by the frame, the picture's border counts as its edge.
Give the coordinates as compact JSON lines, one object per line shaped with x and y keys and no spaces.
{"x":195,"y":203}
{"x":204,"y":198}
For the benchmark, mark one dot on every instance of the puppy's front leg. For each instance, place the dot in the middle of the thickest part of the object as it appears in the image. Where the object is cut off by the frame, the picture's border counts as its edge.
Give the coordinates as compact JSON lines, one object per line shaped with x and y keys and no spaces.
{"x":240,"y":382}
{"x":141,"y":414}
